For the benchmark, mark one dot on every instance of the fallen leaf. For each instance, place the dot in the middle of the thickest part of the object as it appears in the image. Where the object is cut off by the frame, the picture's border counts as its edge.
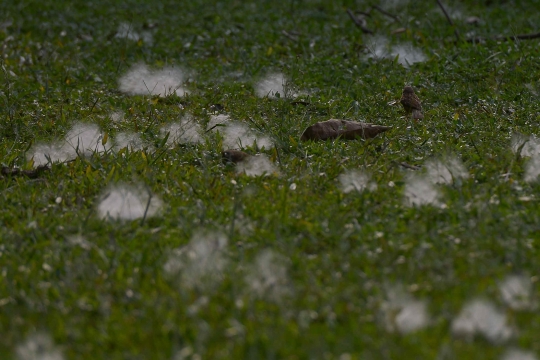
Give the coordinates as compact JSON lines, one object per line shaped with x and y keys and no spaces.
{"x":398,"y":31}
{"x":347,"y":130}
{"x":234,"y":156}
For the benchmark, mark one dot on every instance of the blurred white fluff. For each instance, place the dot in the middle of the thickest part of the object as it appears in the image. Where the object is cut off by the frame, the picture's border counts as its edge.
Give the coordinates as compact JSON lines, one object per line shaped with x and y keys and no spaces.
{"x":132,"y":141}
{"x":38,"y":346}
{"x":267,"y":277}
{"x":127,"y":202}
{"x":244,"y":225}
{"x":482,"y":317}
{"x":236,"y":134}
{"x":356,"y":180}
{"x":380,"y":48}
{"x":527,"y":146}
{"x":126,"y":31}
{"x":201,"y":263}
{"x":54,"y":151}
{"x":402,"y":313}
{"x":272,"y":85}
{"x":517,"y":354}
{"x":517,"y":292}
{"x":446,"y":171}
{"x":413,"y":316}
{"x":187,"y":130}
{"x":83,"y":139}
{"x":256,"y":166}
{"x":419,"y":190}
{"x":220,"y":119}
{"x":140,"y":80}
{"x":117,"y":116}
{"x":408,"y":54}
{"x":532,"y":169}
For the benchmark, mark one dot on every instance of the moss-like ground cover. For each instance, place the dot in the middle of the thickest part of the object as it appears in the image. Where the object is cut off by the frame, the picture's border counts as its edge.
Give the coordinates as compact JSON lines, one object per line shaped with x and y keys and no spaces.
{"x":287,"y":265}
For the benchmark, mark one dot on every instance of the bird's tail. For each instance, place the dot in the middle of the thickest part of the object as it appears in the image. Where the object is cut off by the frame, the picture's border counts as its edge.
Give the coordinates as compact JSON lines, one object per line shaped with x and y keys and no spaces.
{"x":417,"y":114}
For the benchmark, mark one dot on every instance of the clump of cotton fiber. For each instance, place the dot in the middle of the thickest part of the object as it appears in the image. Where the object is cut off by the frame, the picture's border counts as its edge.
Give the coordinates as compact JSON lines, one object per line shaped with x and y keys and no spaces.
{"x":141,"y":80}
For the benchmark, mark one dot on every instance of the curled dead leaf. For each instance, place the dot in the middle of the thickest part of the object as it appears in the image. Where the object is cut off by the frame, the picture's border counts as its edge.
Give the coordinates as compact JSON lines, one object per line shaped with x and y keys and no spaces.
{"x":347,"y":130}
{"x":234,"y":156}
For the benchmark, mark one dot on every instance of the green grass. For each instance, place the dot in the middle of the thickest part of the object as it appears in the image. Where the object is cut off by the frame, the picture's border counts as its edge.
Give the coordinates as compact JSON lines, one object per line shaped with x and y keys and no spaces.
{"x":111,"y":297}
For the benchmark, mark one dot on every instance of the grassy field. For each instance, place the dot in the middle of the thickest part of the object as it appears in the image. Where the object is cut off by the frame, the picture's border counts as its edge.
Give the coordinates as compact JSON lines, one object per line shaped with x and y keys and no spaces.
{"x":140,"y":243}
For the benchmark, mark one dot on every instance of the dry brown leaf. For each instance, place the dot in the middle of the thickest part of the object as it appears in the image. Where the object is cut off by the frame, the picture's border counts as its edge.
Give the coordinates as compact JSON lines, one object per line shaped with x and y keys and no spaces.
{"x":234,"y":156}
{"x":347,"y":130}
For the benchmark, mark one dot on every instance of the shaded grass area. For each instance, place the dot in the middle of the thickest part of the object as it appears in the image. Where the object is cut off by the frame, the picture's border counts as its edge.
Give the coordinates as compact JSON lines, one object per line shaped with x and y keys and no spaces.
{"x":111,"y":298}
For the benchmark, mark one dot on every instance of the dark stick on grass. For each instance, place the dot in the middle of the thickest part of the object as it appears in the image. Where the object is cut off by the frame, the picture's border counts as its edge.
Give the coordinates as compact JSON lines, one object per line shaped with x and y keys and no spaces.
{"x":32,"y":174}
{"x":449,"y":20}
{"x":408,"y":166}
{"x":213,"y":127}
{"x":384,"y":12}
{"x":361,"y":24}
{"x":94,"y":104}
{"x":258,"y":126}
{"x":147,"y":207}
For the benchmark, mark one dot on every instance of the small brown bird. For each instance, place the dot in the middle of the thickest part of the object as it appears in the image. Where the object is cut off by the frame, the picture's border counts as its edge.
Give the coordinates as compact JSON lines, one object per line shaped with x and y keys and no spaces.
{"x":411,"y":103}
{"x":234,"y":156}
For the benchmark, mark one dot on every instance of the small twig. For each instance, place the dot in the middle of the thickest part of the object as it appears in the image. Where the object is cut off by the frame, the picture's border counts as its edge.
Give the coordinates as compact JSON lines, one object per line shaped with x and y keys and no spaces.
{"x":449,"y":20}
{"x":300,"y":102}
{"x":32,"y":174}
{"x":361,"y":23}
{"x":213,"y":127}
{"x":408,"y":166}
{"x":259,"y":127}
{"x":384,"y":12}
{"x":94,"y":104}
{"x":506,"y":38}
{"x":147,"y":206}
